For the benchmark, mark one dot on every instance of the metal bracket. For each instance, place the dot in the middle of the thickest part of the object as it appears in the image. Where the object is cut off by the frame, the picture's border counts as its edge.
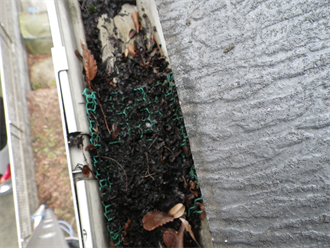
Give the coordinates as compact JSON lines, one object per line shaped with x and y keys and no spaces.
{"x":61,"y":66}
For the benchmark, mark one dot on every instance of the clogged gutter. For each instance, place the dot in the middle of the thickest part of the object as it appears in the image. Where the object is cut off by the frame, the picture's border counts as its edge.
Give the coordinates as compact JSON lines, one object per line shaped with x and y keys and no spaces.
{"x":139,"y":144}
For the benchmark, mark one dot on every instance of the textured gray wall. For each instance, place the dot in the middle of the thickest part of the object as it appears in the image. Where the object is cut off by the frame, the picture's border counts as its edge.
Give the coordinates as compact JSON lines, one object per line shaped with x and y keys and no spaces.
{"x":257,"y":116}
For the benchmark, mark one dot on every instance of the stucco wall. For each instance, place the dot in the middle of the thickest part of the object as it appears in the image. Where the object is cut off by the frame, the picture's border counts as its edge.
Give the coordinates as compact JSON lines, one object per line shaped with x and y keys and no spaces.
{"x":257,"y":116}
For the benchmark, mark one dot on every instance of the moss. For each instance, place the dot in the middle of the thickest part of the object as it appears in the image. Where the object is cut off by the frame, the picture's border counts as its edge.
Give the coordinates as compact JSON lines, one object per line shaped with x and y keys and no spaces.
{"x":92,"y":9}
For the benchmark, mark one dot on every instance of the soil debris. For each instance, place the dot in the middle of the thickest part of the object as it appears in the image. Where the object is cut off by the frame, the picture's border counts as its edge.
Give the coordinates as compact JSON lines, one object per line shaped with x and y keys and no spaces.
{"x":143,"y":164}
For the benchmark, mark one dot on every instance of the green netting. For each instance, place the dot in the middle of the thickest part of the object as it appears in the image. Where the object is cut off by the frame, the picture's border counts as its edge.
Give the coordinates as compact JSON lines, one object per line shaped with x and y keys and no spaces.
{"x":143,"y":105}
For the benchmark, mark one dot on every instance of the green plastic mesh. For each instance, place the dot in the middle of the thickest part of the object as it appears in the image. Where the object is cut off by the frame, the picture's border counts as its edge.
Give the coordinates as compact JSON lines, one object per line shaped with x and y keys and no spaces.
{"x":120,"y":106}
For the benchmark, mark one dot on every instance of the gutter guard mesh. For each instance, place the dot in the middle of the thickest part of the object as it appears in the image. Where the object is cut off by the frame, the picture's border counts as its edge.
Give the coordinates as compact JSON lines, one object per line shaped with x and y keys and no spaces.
{"x":150,"y":114}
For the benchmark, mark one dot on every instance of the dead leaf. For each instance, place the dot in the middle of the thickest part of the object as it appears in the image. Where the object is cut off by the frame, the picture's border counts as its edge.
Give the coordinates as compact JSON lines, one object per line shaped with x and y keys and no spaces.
{"x":187,"y":226}
{"x":77,"y":53}
{"x":135,"y":18}
{"x":140,"y":56}
{"x":194,"y":188}
{"x":115,"y":130}
{"x":177,"y":211}
{"x":131,"y":34}
{"x":90,"y":147}
{"x":126,"y":53}
{"x":131,"y":50}
{"x":126,"y":227}
{"x":86,"y":171}
{"x":112,"y":244}
{"x":185,"y":150}
{"x":202,"y":216}
{"x":89,"y":65}
{"x":169,"y":237}
{"x":155,"y":219}
{"x":202,"y":208}
{"x":173,"y":239}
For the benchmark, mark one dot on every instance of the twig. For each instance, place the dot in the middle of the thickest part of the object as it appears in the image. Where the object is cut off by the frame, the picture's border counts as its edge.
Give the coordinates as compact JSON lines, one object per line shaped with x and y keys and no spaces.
{"x":147,"y":172}
{"x":120,"y":167}
{"x":105,"y":120}
{"x":82,"y":149}
{"x":147,"y":159}
{"x":150,"y":175}
{"x":83,"y":7}
{"x":153,"y":142}
{"x":169,"y":149}
{"x":139,"y":183}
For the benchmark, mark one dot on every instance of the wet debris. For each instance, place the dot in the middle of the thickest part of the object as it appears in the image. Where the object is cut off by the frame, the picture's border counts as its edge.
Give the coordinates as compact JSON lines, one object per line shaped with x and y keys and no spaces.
{"x":140,"y":147}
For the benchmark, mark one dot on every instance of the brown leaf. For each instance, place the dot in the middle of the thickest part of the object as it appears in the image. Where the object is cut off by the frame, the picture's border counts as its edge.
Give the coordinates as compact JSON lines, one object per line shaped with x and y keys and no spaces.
{"x":112,"y":244}
{"x":132,"y":33}
{"x":135,"y":18}
{"x":77,"y":53}
{"x":126,"y":227}
{"x":131,"y":50}
{"x":202,"y":208}
{"x":140,"y":56}
{"x":155,"y":219}
{"x":202,"y":216}
{"x":115,"y":130}
{"x":194,"y":188}
{"x":90,"y":147}
{"x":187,"y":226}
{"x":185,"y":150}
{"x":86,"y":171}
{"x":173,"y":239}
{"x":169,"y":237}
{"x":89,"y":65}
{"x":177,"y":211}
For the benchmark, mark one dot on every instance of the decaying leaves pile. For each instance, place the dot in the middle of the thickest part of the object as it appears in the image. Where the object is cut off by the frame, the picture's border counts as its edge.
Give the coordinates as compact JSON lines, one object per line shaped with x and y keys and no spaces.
{"x":141,"y":151}
{"x":171,"y":237}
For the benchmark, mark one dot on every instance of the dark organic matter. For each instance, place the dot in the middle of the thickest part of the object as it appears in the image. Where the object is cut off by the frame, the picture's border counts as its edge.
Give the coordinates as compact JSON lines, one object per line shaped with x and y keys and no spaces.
{"x":144,"y":163}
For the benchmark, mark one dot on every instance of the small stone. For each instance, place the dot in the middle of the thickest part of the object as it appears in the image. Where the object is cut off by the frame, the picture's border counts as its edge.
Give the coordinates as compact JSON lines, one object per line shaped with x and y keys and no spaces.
{"x":188,"y":22}
{"x":190,"y":41}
